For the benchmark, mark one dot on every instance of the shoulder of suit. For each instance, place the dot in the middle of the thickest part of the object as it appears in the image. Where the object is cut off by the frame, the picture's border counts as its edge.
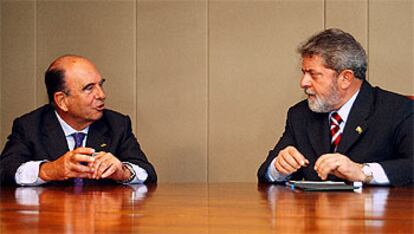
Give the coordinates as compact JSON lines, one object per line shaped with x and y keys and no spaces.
{"x":300,"y":107}
{"x":301,"y":112}
{"x":36,"y":114}
{"x":113,"y":114}
{"x":114,"y":118}
{"x":392,"y":101}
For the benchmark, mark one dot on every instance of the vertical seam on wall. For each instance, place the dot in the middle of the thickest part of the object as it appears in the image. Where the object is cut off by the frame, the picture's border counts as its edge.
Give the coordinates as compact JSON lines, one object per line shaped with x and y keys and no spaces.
{"x":324,"y":14}
{"x":368,"y":54}
{"x":35,"y":54}
{"x":208,"y":92}
{"x":1,"y":73}
{"x":136,"y":67}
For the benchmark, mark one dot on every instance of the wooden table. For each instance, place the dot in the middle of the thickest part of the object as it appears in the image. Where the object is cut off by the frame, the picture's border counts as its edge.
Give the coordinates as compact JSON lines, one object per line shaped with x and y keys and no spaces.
{"x":204,"y":208}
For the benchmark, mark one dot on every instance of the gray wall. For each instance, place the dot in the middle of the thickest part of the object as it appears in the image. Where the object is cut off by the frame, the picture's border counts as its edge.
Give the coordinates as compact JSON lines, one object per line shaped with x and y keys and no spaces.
{"x":206,"y":83}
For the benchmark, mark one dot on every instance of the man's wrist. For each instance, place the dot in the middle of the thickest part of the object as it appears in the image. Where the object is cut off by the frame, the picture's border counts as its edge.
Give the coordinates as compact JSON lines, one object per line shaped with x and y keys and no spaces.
{"x":46,"y":171}
{"x":129,"y":173}
{"x":367,"y":172}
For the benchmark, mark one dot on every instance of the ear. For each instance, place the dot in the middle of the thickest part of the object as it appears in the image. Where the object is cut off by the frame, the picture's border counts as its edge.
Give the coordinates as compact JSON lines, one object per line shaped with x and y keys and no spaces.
{"x":345,"y":79}
{"x":60,"y":101}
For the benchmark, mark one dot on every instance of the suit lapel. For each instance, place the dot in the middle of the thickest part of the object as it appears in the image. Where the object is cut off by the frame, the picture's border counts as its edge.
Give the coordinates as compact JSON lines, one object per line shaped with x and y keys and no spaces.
{"x":98,"y":137}
{"x":54,"y":139}
{"x":318,"y":133}
{"x":357,"y":124}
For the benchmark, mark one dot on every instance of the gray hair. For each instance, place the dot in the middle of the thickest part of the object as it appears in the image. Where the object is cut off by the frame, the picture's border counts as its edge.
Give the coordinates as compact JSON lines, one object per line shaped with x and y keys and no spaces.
{"x":338,"y":49}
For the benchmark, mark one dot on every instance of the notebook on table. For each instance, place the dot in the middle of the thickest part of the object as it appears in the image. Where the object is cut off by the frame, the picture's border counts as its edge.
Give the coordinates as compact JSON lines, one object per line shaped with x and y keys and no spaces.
{"x":323,"y":185}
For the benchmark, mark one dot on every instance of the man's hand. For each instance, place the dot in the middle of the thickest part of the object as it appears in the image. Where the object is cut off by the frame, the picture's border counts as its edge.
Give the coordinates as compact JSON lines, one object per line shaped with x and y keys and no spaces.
{"x":289,"y":160}
{"x":68,"y":165}
{"x":340,"y":166}
{"x":108,"y":166}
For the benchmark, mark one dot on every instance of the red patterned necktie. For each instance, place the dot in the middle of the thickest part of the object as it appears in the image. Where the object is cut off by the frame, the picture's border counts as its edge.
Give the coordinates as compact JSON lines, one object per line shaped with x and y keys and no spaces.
{"x":336,"y":135}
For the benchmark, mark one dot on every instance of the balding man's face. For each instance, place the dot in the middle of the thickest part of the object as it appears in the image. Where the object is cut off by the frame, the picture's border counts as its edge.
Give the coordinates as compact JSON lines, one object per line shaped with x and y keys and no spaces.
{"x":85,"y":99}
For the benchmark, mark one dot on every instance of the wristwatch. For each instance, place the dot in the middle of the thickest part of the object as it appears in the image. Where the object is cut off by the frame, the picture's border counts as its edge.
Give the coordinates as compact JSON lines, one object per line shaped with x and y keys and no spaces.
{"x":367,"y":171}
{"x":131,"y":170}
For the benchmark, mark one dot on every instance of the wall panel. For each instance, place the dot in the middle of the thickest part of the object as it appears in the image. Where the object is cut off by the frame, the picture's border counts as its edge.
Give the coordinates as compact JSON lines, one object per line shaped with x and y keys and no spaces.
{"x":17,"y":61}
{"x":391,"y":45}
{"x":172,"y":87}
{"x":254,"y":78}
{"x":350,"y":16}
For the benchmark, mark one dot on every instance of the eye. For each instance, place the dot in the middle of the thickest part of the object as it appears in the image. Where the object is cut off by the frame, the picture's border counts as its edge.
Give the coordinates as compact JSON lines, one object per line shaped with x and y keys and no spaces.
{"x":88,"y":87}
{"x":315,"y":75}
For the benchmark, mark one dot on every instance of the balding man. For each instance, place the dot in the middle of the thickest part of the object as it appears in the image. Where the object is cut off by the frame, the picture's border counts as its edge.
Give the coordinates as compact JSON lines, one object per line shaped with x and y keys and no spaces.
{"x":73,"y":138}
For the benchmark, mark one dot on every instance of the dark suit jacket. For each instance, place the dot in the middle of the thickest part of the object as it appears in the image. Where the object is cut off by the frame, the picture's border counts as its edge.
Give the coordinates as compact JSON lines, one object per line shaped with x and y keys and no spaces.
{"x":387,"y":137}
{"x":38,"y":136}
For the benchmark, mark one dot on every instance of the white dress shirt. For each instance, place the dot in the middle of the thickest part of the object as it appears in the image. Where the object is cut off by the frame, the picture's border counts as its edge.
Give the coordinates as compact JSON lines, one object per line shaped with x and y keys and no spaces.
{"x":28,"y":173}
{"x":379,"y":176}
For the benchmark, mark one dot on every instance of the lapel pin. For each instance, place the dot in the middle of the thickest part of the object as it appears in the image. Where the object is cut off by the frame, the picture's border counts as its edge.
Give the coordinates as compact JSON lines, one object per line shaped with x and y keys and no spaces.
{"x":103,"y":145}
{"x":358,"y":129}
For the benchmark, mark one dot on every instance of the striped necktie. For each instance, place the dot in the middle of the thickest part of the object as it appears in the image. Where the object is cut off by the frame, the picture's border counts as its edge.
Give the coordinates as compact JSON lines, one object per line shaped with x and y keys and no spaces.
{"x":336,"y":135}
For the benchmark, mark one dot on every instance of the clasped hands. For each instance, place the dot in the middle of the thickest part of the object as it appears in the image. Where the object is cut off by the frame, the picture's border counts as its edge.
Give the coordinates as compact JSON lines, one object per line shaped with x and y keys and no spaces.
{"x":79,"y":163}
{"x":289,"y":160}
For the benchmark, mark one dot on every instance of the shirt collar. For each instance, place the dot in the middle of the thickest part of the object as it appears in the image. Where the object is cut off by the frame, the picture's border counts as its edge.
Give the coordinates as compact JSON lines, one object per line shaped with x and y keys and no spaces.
{"x":67,"y":129}
{"x":346,"y":108}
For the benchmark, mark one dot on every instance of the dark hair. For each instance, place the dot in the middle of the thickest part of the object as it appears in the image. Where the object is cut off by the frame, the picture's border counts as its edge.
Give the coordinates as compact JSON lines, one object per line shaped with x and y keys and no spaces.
{"x":339,"y":50}
{"x":55,"y":82}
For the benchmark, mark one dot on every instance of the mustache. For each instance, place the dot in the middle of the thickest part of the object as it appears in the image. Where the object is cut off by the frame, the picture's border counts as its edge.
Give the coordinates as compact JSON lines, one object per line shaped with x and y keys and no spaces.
{"x":309,"y":92}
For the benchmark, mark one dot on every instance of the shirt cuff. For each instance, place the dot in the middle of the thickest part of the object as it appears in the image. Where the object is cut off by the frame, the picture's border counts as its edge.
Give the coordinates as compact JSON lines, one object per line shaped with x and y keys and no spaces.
{"x":274,"y":175}
{"x":378,"y":174}
{"x":28,"y":174}
{"x":140,"y":174}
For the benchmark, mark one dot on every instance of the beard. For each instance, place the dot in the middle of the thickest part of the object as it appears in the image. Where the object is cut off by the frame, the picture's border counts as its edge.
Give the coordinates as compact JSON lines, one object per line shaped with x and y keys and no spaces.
{"x":323,"y":104}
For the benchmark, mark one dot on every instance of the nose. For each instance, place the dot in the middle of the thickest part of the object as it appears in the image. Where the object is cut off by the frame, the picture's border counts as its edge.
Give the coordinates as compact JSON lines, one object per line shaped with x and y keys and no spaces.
{"x":305,"y":82}
{"x":100,"y":93}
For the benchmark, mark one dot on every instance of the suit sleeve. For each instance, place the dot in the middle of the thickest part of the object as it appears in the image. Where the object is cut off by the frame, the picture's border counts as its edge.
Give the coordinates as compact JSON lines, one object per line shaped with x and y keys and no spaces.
{"x":400,"y":170}
{"x":16,"y":152}
{"x":130,"y":151}
{"x":287,"y":139}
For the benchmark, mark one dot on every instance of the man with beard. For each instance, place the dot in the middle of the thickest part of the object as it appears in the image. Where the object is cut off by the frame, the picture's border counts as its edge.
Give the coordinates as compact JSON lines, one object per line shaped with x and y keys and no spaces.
{"x":73,"y":139}
{"x":346,"y":130}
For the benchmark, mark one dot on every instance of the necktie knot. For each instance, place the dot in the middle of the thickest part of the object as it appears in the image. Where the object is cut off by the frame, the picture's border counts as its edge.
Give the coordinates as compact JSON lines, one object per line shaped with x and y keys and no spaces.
{"x":78,"y":137}
{"x":336,"y":118}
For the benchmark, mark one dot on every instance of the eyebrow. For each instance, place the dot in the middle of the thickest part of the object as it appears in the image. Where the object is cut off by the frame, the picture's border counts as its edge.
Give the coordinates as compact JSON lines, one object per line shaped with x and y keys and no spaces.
{"x":311,"y":71}
{"x":307,"y":70}
{"x":91,"y":84}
